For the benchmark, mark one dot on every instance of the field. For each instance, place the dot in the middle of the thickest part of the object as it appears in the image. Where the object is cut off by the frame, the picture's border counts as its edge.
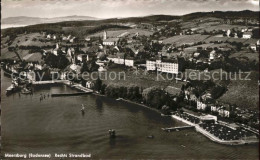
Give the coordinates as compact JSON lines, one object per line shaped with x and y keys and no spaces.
{"x":209,"y":45}
{"x":246,"y":56}
{"x":115,"y":33}
{"x":5,"y":54}
{"x":185,"y":39}
{"x":31,"y":39}
{"x":225,"y":27}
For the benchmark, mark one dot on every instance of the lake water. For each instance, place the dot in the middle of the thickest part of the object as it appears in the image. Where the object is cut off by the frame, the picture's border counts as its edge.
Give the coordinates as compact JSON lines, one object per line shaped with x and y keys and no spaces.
{"x":56,"y":125}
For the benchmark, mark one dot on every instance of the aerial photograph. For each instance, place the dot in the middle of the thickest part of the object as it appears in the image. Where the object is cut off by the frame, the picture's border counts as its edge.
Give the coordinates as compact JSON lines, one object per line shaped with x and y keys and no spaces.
{"x":129,"y":79}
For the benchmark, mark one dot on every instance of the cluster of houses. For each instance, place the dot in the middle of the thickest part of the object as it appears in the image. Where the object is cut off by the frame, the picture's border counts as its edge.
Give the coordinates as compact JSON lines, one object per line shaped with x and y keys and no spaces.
{"x":246,"y":33}
{"x":206,"y":103}
{"x":68,"y":38}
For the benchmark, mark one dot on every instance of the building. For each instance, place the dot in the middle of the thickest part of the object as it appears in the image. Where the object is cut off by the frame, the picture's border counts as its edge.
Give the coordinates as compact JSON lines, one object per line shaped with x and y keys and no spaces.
{"x":89,"y":84}
{"x":110,"y":41}
{"x":166,"y":66}
{"x":55,"y":51}
{"x":120,"y":59}
{"x":150,"y":65}
{"x":212,"y":55}
{"x":223,"y":113}
{"x":228,"y":32}
{"x":253,"y":47}
{"x":201,"y":105}
{"x":214,"y":109}
{"x":48,"y":36}
{"x":247,"y":35}
{"x":82,"y":57}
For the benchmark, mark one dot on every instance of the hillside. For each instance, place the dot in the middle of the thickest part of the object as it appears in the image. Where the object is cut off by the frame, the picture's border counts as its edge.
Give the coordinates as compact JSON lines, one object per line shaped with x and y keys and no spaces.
{"x":222,"y":14}
{"x":243,"y":93}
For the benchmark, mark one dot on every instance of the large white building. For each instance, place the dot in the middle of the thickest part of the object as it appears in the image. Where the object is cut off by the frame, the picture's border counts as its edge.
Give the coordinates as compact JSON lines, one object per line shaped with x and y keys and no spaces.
{"x":163,"y":66}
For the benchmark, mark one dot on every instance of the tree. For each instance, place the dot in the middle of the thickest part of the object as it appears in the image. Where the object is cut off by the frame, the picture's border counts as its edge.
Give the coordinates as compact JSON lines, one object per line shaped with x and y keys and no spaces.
{"x":217,"y":91}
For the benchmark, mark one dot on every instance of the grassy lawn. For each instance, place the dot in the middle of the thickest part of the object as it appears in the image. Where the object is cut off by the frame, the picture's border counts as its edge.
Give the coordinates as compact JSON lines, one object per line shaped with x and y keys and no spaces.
{"x":115,"y":33}
{"x":185,"y":39}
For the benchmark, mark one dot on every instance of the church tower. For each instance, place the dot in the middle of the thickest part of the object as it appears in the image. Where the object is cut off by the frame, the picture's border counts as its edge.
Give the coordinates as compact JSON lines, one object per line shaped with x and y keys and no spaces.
{"x":105,"y":35}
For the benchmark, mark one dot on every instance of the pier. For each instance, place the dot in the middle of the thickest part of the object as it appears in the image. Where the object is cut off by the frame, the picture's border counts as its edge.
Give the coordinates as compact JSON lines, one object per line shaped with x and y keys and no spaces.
{"x":177,"y":128}
{"x":69,"y":94}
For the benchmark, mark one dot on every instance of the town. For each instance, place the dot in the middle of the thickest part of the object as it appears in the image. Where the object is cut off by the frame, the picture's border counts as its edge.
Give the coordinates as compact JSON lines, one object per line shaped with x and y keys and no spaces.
{"x":142,"y":50}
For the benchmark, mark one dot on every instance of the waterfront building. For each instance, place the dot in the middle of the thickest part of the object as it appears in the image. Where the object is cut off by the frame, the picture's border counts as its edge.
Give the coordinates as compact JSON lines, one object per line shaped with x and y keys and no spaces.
{"x":201,"y":105}
{"x":89,"y":84}
{"x":223,"y":113}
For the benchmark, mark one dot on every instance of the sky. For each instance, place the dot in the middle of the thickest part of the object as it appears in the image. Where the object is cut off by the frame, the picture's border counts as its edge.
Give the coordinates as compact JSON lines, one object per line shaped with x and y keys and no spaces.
{"x":119,"y":8}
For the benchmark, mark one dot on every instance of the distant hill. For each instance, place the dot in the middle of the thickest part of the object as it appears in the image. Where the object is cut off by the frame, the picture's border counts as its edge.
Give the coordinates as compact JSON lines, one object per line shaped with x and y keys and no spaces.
{"x":223,"y":14}
{"x":25,"y":21}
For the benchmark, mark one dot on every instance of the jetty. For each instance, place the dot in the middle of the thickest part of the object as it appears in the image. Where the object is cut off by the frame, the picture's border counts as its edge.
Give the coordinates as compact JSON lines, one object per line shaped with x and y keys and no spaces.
{"x":69,"y":94}
{"x":177,"y":128}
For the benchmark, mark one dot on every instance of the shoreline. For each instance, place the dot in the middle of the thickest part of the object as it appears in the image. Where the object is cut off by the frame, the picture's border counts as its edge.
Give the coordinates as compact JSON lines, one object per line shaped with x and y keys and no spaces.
{"x":197,"y":127}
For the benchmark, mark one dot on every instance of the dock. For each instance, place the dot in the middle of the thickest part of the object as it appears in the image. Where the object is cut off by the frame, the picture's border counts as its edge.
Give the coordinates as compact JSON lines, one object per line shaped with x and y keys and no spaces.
{"x":69,"y":94}
{"x":177,"y":128}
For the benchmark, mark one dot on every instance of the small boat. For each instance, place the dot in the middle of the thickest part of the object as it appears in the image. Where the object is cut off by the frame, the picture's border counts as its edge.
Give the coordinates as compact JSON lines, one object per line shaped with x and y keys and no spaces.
{"x":26,"y":91}
{"x":112,"y":133}
{"x":119,"y":99}
{"x":150,"y":136}
{"x":82,"y":108}
{"x":183,"y":146}
{"x":12,"y":88}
